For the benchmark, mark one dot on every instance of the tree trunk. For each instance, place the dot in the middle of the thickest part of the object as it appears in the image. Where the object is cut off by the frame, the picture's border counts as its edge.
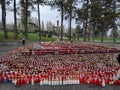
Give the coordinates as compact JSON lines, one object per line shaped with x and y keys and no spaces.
{"x":26,"y":20}
{"x":39,"y":22}
{"x":85,"y":33}
{"x":89,"y":33}
{"x":114,"y":26}
{"x":4,"y":19}
{"x":114,"y":39}
{"x":102,"y":34}
{"x":15,"y":21}
{"x":93,"y":33}
{"x":62,"y":23}
{"x":70,"y":20}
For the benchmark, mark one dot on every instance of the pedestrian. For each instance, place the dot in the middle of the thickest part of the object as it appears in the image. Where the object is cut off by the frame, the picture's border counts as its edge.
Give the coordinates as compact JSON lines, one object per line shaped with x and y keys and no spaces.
{"x":23,"y":41}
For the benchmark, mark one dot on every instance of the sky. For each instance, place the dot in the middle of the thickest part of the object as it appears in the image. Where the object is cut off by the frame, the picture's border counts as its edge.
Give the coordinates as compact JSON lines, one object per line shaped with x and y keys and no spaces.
{"x":47,"y":14}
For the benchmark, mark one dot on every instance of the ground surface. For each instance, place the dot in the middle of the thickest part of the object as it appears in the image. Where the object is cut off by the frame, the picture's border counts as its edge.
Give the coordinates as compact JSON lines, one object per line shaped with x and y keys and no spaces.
{"x":7,"y":46}
{"x":65,"y":87}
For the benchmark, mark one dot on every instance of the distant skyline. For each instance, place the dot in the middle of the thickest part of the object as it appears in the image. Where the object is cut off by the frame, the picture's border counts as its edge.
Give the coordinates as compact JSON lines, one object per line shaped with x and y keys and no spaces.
{"x":47,"y":14}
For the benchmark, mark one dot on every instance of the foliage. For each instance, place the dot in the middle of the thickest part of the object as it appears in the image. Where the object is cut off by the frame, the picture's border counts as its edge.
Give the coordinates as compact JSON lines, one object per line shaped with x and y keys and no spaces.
{"x":101,"y":15}
{"x":30,"y":7}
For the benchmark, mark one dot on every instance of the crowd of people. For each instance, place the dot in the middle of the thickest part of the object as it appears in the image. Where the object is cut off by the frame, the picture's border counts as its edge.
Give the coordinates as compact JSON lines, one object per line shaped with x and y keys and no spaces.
{"x":60,"y":69}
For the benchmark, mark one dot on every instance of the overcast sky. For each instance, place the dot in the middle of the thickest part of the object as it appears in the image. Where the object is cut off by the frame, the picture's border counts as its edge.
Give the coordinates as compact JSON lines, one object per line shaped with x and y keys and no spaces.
{"x":46,"y":15}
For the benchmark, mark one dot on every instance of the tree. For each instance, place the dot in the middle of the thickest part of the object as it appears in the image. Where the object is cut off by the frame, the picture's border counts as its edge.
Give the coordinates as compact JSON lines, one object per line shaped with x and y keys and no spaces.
{"x":96,"y":17}
{"x":70,"y":7}
{"x":99,"y":14}
{"x":39,"y":2}
{"x":26,"y":9}
{"x":39,"y":21}
{"x":78,"y":31}
{"x":60,"y":5}
{"x":3,"y":4}
{"x":115,"y":16}
{"x":15,"y":20}
{"x":86,"y":17}
{"x":110,"y":16}
{"x":26,"y":19}
{"x":83,"y":17}
{"x":107,"y":17}
{"x":23,"y":5}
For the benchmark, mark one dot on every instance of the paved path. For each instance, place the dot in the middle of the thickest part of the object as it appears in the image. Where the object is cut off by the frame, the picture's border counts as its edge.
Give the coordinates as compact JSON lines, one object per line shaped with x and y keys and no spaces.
{"x":5,"y":47}
{"x":64,"y":87}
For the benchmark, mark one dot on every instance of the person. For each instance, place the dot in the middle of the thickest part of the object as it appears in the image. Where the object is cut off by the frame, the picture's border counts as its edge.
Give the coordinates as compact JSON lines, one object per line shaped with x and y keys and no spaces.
{"x":23,"y":41}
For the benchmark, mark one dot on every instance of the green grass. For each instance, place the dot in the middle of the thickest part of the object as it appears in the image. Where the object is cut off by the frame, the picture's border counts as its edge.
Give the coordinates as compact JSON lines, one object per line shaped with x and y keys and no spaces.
{"x":98,"y":39}
{"x":35,"y":37}
{"x":1,"y":36}
{"x":10,"y":36}
{"x":31,"y":37}
{"x":48,"y":39}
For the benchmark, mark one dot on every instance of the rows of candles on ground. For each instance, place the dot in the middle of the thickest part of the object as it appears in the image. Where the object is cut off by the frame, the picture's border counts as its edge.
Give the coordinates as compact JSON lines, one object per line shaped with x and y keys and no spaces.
{"x":66,"y":48}
{"x":96,"y":65}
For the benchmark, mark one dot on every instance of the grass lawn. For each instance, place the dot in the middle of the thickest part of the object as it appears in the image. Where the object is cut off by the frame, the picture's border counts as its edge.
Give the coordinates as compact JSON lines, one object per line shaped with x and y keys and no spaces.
{"x":35,"y":37}
{"x":98,"y":39}
{"x":31,"y":37}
